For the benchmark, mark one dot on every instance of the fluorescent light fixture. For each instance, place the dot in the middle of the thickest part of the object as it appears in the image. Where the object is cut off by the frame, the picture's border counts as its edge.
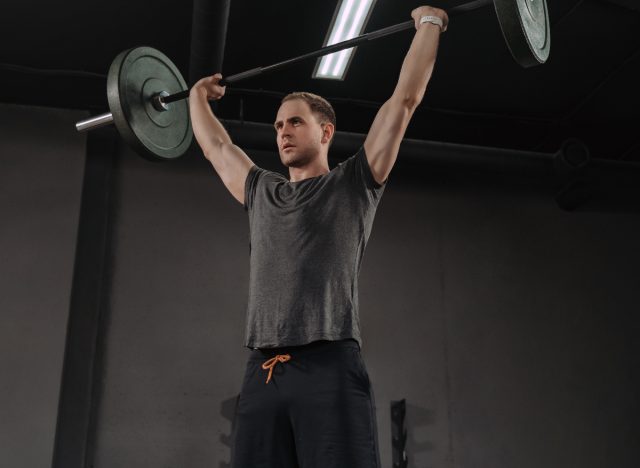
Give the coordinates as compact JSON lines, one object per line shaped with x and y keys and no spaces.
{"x":348,"y":21}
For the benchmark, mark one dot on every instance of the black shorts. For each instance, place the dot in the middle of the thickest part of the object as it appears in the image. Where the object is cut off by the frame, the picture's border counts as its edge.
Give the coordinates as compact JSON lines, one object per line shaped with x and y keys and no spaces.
{"x":317,"y":411}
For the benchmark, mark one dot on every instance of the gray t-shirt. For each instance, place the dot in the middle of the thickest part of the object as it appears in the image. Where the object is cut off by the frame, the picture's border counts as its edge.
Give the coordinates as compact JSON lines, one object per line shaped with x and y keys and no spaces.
{"x":307,"y":239}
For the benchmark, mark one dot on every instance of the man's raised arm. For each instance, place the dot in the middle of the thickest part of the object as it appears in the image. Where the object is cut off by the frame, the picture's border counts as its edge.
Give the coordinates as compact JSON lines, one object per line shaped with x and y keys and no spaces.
{"x":383,"y":140}
{"x":229,"y":161}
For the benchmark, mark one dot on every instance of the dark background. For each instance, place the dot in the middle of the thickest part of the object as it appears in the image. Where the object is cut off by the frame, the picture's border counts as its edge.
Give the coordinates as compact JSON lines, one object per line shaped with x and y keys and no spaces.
{"x":509,"y":324}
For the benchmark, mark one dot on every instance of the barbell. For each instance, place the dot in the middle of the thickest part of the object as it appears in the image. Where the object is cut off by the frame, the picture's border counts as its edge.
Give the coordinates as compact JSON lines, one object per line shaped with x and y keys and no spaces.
{"x":146,"y":92}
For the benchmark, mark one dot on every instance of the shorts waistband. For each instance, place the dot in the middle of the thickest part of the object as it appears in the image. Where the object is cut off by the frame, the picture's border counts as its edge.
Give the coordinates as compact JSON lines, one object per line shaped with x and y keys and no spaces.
{"x":261,"y":354}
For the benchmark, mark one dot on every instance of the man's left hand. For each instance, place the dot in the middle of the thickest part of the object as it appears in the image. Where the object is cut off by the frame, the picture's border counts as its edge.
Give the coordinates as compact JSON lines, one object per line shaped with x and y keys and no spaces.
{"x":430,"y":11}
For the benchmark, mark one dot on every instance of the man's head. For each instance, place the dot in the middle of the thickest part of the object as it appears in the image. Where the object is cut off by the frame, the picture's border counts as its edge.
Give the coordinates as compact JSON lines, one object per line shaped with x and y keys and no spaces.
{"x":305,"y":125}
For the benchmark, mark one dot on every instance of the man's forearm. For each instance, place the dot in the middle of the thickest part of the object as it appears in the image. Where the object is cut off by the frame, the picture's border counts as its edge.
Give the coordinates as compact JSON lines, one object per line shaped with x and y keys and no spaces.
{"x":418,"y":64}
{"x":206,"y":127}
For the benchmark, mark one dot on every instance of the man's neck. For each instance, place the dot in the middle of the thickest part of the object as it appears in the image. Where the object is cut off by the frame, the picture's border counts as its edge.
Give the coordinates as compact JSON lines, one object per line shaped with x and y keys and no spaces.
{"x":296,"y":174}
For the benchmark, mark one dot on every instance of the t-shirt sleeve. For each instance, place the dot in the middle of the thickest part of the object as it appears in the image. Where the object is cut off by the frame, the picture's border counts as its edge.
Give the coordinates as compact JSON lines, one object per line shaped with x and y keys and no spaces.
{"x":361,"y":175}
{"x":250,"y":185}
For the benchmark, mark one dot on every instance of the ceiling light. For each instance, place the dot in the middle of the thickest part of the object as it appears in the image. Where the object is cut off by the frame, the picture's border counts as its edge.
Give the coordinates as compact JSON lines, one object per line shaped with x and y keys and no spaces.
{"x":348,"y":22}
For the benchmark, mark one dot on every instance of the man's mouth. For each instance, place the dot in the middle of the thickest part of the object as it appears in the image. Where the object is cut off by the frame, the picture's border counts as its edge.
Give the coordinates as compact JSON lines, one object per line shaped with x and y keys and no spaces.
{"x":284,"y":147}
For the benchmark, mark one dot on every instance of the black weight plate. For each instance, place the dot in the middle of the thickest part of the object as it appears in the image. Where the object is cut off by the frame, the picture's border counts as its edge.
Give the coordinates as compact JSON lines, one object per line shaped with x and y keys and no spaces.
{"x":526,"y":29}
{"x":135,"y":77}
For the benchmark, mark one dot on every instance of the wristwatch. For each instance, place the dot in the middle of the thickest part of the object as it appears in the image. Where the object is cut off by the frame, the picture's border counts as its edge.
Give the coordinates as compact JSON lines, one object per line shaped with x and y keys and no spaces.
{"x":432,"y":19}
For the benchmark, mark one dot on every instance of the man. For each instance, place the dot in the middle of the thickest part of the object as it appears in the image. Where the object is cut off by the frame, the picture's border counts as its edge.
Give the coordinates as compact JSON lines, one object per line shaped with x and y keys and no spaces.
{"x":306,"y":399}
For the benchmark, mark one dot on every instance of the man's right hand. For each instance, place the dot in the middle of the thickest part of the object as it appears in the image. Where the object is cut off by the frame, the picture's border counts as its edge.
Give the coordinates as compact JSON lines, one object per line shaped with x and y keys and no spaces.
{"x":209,"y":87}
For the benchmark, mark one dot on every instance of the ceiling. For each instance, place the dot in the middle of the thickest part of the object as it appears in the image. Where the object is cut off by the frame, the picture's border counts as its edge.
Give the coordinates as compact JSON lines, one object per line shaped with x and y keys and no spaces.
{"x":58,"y":53}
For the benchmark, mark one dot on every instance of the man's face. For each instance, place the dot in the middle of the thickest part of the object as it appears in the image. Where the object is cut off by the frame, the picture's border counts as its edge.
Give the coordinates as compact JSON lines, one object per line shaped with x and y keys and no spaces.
{"x":299,"y":135}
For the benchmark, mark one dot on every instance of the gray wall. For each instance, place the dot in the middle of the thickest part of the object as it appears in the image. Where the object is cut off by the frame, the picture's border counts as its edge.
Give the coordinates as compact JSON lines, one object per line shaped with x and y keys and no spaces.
{"x":41,"y":168}
{"x":508,"y":325}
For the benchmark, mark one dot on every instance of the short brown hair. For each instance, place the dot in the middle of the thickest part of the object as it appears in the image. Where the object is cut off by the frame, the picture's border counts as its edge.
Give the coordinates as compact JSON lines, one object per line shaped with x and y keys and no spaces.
{"x":320,"y":107}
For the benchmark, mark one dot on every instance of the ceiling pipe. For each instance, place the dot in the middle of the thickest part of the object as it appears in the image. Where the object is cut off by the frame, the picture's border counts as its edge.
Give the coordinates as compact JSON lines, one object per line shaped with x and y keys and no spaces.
{"x":208,"y":37}
{"x":571,"y":157}
{"x":630,"y":4}
{"x":583,"y":182}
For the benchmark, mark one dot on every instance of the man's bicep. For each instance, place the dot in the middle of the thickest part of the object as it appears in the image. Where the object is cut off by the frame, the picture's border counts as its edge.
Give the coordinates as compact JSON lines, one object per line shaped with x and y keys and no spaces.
{"x":232,"y":165}
{"x":385,"y":135}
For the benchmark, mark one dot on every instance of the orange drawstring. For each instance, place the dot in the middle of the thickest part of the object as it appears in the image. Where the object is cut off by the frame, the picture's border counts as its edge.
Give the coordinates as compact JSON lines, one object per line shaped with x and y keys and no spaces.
{"x":271,"y":363}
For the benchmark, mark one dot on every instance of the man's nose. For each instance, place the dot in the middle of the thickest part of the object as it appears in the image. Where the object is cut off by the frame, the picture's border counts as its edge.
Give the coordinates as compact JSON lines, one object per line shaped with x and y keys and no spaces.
{"x":285,"y":130}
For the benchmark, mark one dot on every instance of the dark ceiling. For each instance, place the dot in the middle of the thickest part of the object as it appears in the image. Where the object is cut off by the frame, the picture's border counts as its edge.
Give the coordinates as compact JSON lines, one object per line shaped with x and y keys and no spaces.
{"x":58,"y":53}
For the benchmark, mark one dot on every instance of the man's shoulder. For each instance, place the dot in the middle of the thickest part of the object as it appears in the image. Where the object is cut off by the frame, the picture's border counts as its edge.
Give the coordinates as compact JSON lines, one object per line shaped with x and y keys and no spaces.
{"x":266,"y":174}
{"x":351,"y":160}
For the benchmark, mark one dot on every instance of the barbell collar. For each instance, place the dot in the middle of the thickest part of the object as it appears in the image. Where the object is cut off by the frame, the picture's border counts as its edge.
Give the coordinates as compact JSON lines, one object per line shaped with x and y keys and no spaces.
{"x":158,"y":102}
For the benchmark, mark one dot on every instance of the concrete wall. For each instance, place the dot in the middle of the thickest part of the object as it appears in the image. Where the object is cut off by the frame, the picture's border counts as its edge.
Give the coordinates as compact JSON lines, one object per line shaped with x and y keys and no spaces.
{"x":41,"y":169}
{"x":508,"y":325}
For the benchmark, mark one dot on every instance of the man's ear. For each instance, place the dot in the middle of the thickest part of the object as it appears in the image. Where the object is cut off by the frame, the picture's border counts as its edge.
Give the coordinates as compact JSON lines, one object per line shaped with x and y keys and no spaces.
{"x":327,"y":131}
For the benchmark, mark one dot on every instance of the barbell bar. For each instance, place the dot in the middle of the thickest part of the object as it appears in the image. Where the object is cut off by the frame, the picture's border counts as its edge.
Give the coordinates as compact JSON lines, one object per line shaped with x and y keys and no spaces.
{"x":143,"y":84}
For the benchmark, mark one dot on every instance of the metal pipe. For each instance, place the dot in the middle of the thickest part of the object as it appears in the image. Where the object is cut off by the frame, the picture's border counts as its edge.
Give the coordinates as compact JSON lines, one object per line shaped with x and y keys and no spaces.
{"x":456,"y":156}
{"x":208,"y":36}
{"x":94,"y":122}
{"x":261,"y":136}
